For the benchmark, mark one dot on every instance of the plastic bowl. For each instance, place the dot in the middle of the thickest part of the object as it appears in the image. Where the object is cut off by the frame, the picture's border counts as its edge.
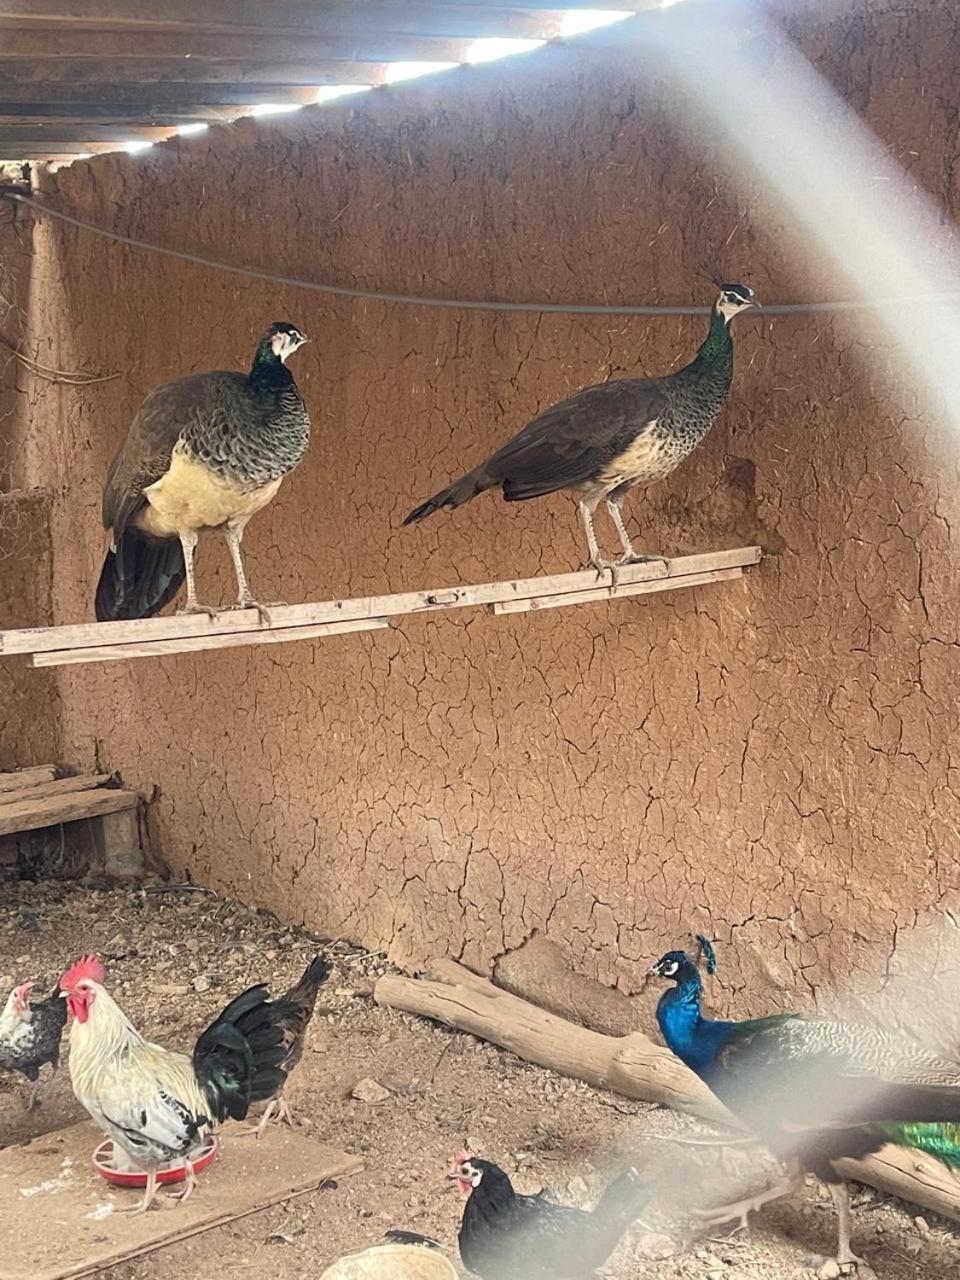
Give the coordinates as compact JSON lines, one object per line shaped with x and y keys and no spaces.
{"x":138,"y":1178}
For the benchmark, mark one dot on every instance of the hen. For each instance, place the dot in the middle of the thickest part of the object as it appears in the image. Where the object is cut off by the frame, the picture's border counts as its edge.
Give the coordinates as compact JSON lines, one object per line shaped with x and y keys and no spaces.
{"x":157,"y":1105}
{"x":30,"y":1035}
{"x":504,"y":1235}
{"x":301,"y":999}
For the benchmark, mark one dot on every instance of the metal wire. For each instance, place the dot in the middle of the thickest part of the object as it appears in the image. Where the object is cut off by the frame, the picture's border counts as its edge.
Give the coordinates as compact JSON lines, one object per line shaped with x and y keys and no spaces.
{"x":454,"y":304}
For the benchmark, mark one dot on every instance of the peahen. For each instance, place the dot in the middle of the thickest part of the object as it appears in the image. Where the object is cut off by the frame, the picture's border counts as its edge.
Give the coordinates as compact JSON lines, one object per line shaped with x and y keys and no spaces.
{"x":815,"y":1090}
{"x":207,"y":451}
{"x":607,"y":438}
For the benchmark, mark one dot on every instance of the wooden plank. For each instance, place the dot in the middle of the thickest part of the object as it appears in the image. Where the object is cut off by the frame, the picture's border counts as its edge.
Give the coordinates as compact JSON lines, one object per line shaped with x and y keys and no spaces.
{"x":300,"y":17}
{"x":365,"y":44}
{"x":76,"y":1228}
{"x":97,"y":115}
{"x":166,"y":648}
{"x":58,"y":787}
{"x":20,"y":778}
{"x":614,"y":593}
{"x":31,"y":815}
{"x":87,"y":634}
{"x":41,"y":98}
{"x":52,"y":132}
{"x":145,"y":71}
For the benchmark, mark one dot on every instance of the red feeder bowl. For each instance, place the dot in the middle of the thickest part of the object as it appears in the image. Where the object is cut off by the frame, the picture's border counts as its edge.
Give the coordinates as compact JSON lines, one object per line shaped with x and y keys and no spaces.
{"x":123,"y":1178}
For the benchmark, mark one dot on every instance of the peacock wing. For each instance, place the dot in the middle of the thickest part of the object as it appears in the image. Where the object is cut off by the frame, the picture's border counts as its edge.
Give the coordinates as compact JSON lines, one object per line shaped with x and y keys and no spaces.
{"x":569,"y":443}
{"x":144,"y":457}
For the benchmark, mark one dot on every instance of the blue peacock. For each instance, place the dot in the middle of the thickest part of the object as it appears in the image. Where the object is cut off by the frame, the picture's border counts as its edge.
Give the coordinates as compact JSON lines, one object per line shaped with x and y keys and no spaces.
{"x":813,"y":1089}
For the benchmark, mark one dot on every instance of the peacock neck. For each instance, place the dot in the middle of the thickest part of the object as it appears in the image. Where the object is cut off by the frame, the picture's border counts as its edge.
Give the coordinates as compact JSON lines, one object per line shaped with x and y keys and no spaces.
{"x":714,"y":360}
{"x":268,"y":372}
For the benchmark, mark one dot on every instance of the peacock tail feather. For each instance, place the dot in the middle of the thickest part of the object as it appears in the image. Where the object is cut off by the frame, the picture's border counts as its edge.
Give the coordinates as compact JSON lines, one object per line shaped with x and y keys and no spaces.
{"x":940,"y":1140}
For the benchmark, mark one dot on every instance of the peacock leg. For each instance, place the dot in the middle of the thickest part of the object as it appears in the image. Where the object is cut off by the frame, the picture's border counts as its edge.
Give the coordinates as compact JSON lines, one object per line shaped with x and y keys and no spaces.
{"x":740,"y":1209}
{"x":588,"y":505}
{"x":188,"y":540}
{"x":840,"y":1193}
{"x":33,"y":1100}
{"x":630,"y":554}
{"x":234,"y":536}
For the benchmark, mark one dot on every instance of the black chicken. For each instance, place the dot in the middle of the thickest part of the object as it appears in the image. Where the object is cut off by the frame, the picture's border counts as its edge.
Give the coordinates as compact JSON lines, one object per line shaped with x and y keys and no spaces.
{"x":504,"y":1235}
{"x":30,"y":1035}
{"x":300,"y":1000}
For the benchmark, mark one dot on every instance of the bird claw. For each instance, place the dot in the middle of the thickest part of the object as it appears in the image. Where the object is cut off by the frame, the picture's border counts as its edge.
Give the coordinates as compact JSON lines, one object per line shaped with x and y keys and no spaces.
{"x":263,"y":610}
{"x":740,"y":1210}
{"x":195,"y":607}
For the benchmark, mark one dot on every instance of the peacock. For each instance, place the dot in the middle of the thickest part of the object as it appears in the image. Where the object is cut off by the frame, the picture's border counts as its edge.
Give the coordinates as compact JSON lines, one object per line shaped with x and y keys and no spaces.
{"x":607,"y":438}
{"x":207,"y":451}
{"x":814,"y":1090}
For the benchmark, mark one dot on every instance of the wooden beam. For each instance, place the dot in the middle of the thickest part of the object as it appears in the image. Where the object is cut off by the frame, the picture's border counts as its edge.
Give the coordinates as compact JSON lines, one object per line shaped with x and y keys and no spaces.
{"x":603,"y":593}
{"x":42,"y":99}
{"x":52,"y":131}
{"x":29,"y":777}
{"x":366,"y":44}
{"x":303,"y":17}
{"x":47,"y":152}
{"x":188,"y":630}
{"x":59,"y":787}
{"x":146,"y":71}
{"x":97,"y":116}
{"x":17,"y":816}
{"x":166,"y":648}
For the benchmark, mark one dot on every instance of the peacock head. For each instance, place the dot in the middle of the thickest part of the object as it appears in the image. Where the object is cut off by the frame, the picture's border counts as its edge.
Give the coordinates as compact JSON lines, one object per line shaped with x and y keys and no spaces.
{"x":733,"y":299}
{"x":675,"y":965}
{"x":80,"y":986}
{"x":283,"y":339}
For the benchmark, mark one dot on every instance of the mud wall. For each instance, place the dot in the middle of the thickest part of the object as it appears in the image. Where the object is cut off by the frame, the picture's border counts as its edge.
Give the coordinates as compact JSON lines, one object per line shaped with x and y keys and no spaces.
{"x":759,"y":759}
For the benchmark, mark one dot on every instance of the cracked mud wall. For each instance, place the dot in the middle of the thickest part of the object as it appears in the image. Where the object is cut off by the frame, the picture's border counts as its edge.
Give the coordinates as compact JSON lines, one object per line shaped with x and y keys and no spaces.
{"x":773,"y":761}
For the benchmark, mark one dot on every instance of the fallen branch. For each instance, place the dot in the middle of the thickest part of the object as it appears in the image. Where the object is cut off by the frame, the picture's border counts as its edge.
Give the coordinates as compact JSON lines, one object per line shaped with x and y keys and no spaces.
{"x":631,"y":1065}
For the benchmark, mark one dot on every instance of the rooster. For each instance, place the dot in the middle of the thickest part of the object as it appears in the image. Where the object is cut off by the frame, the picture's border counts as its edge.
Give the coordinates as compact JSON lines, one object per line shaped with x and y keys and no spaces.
{"x":158,"y":1105}
{"x":30,"y":1035}
{"x":301,"y":999}
{"x":504,"y":1235}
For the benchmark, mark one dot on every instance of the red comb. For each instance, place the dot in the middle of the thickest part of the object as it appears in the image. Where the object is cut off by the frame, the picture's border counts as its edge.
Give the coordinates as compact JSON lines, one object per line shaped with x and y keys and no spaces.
{"x":463,"y":1154}
{"x":89,"y":966}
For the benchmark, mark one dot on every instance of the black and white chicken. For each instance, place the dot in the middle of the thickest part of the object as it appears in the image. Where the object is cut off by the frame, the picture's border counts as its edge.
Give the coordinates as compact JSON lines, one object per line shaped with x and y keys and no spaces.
{"x":30,"y":1035}
{"x":504,"y":1235}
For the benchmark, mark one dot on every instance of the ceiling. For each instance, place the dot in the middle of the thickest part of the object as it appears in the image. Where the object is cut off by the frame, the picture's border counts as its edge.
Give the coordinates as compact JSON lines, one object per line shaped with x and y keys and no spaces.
{"x":79,"y":77}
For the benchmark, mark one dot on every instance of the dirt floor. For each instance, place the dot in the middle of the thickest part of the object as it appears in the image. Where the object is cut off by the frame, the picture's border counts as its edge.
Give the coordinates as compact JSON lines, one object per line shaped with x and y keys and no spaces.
{"x":175,"y":955}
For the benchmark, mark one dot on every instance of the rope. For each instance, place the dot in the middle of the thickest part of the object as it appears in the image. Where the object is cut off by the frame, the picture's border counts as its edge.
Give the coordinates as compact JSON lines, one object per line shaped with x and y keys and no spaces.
{"x":454,"y":304}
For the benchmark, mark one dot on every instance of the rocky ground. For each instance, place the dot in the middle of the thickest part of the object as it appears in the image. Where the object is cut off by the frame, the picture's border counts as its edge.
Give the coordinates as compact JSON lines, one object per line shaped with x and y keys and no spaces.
{"x":176,"y":954}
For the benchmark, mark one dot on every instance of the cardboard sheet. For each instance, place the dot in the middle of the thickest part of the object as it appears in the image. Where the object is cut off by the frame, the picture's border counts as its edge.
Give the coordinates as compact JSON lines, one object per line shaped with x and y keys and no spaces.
{"x":60,"y":1219}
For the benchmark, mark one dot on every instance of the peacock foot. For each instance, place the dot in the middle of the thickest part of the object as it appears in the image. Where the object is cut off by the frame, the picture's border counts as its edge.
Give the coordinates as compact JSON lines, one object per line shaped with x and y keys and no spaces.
{"x":740,"y":1210}
{"x":194,"y":606}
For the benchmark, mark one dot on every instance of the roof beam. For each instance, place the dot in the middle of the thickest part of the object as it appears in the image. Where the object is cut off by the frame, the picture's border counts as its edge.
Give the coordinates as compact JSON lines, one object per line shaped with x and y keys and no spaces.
{"x":54,"y":135}
{"x":39,"y":116}
{"x":42,"y":98}
{"x":143,"y":71}
{"x":304,"y":17}
{"x":360,"y":46}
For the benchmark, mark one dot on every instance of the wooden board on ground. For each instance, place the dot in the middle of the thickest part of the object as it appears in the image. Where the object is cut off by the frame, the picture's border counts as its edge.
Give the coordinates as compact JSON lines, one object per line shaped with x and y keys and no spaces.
{"x":75,"y":1229}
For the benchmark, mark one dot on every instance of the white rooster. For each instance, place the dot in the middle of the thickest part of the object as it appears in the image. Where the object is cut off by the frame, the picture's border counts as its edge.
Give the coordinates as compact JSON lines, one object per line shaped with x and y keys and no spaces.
{"x":156,"y":1104}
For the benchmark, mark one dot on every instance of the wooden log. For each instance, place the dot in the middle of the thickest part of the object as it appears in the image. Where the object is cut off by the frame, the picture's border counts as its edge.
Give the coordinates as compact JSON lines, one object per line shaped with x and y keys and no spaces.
{"x":58,"y":787}
{"x":20,"y":778}
{"x":438,"y":599}
{"x":30,"y":815}
{"x":631,"y":1065}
